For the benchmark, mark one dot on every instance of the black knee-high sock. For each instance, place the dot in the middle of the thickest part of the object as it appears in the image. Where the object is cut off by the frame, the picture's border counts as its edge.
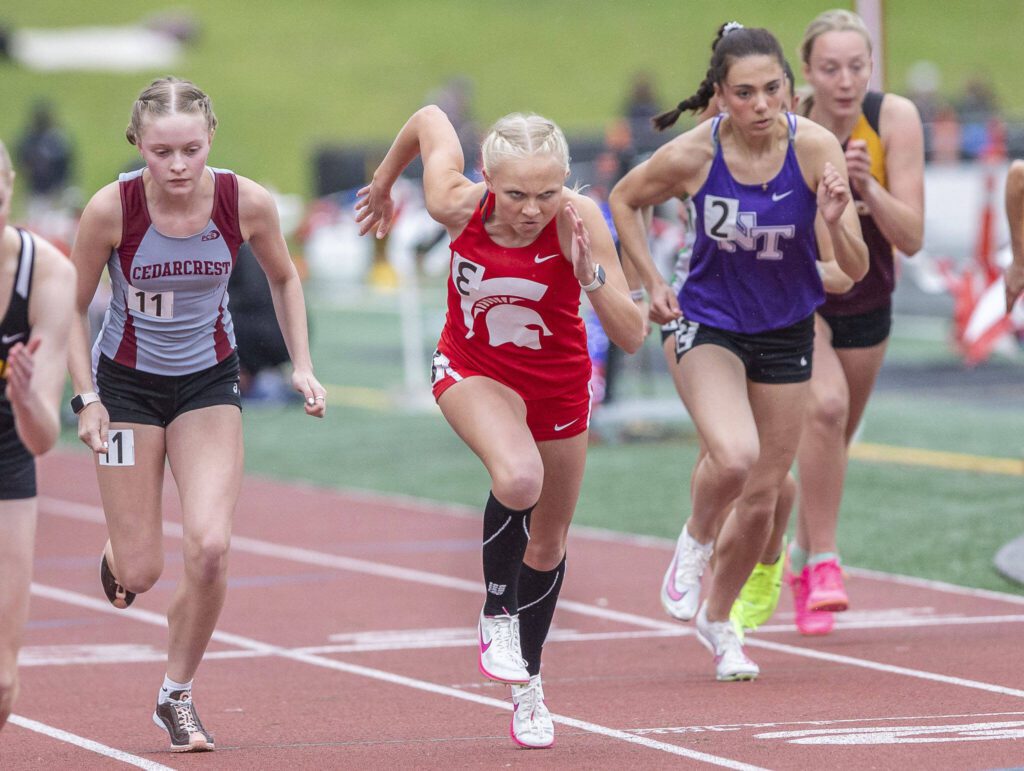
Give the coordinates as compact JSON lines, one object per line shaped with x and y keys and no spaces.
{"x":538,"y":593}
{"x":506,"y":534}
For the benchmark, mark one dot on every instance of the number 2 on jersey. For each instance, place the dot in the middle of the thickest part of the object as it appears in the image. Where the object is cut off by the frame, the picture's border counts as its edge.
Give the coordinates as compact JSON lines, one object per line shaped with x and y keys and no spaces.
{"x":720,"y":217}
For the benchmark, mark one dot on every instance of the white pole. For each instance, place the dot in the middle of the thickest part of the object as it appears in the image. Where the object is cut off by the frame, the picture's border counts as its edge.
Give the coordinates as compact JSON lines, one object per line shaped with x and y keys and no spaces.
{"x":873,"y":14}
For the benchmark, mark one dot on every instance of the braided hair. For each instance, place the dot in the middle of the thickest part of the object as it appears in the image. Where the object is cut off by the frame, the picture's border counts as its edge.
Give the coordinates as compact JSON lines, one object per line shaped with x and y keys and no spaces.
{"x":734,"y":41}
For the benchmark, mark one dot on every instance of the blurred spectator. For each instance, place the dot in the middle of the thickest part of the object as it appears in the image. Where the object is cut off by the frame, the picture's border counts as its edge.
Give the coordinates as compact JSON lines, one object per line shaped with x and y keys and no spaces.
{"x":262,"y":352}
{"x":924,"y":79}
{"x":641,"y":105}
{"x":455,"y":97}
{"x":945,"y":136}
{"x":44,"y":157}
{"x":978,"y":101}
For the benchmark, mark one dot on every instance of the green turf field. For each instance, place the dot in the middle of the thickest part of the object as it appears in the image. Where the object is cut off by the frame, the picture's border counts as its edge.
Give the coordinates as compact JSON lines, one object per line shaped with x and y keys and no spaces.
{"x":286,"y":76}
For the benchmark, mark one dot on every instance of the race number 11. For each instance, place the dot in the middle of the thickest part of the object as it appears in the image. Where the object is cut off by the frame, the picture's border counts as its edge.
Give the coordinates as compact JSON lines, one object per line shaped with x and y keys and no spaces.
{"x":120,"y":448}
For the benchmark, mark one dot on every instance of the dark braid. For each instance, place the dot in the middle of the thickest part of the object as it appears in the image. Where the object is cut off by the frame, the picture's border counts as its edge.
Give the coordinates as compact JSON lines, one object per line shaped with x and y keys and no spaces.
{"x":737,"y":43}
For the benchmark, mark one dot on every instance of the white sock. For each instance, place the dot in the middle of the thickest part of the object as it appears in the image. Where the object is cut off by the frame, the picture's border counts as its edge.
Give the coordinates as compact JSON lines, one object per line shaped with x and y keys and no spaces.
{"x":169,"y":687}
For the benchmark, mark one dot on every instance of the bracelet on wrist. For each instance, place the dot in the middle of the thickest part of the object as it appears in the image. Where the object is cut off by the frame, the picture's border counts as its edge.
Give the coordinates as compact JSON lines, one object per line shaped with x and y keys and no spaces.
{"x":637,"y":295}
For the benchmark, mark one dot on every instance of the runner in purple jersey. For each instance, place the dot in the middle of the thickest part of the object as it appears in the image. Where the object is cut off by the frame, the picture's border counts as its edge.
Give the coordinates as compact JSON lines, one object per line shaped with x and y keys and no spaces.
{"x":771,"y":195}
{"x":165,"y":385}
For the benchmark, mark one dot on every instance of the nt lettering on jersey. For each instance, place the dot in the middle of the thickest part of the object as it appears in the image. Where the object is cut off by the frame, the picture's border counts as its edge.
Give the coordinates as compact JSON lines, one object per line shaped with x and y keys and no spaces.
{"x":763,"y":239}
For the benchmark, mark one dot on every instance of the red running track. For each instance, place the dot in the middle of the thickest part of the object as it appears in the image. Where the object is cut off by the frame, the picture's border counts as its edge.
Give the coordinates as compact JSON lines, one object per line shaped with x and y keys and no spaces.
{"x":348,"y":641}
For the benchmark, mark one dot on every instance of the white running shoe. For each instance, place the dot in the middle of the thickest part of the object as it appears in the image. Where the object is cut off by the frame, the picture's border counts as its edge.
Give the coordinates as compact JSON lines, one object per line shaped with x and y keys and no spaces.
{"x":721,"y":639}
{"x":531,"y":722}
{"x":680,"y":591}
{"x":501,"y":656}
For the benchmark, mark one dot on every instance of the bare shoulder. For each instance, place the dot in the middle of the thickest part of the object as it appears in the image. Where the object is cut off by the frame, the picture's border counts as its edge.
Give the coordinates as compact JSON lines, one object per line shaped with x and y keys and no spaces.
{"x":104,"y":208}
{"x":1015,"y":175}
{"x":51,"y":262}
{"x":689,"y":152}
{"x":898,"y":115}
{"x":814,"y":136}
{"x":253,"y":198}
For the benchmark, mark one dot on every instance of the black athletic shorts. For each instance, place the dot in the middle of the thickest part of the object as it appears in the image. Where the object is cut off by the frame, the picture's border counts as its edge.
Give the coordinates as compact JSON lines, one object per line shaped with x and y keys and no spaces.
{"x":17,"y":466}
{"x":778,"y":356}
{"x":862,"y":330}
{"x":133,"y":396}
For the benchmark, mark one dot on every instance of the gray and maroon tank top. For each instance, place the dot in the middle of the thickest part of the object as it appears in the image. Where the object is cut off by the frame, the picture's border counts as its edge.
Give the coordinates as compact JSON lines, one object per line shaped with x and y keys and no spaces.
{"x":753,"y":267}
{"x":168,"y":311}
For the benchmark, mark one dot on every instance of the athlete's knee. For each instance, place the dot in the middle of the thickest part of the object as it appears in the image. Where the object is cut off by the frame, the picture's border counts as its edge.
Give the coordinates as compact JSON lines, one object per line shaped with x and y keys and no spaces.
{"x":518,"y":484}
{"x":138,"y":576}
{"x":546,"y":553}
{"x":829,"y":412}
{"x":206,"y":558}
{"x":732,"y":464}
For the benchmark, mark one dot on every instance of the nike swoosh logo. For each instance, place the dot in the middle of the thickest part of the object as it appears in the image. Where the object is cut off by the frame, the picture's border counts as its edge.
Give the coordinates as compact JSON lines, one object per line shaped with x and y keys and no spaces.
{"x":779,"y":196}
{"x":484,"y":646}
{"x":538,"y":259}
{"x":670,"y":586}
{"x":564,"y":425}
{"x":11,"y":338}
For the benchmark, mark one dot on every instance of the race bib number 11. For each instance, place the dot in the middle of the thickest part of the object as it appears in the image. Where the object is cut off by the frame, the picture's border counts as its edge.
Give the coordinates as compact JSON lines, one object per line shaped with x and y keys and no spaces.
{"x":158,"y":305}
{"x":120,"y":448}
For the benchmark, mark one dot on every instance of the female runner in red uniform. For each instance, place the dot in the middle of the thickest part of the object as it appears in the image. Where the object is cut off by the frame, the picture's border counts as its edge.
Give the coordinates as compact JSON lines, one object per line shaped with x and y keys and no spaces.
{"x":511,"y":370}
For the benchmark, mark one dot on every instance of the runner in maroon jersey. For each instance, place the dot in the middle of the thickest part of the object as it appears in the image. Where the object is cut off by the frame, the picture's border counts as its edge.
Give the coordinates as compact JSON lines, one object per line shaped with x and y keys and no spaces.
{"x":511,"y":370}
{"x":163,"y":386}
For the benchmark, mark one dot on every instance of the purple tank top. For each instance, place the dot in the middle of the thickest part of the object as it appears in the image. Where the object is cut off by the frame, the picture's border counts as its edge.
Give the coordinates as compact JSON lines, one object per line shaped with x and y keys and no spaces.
{"x":753,"y":267}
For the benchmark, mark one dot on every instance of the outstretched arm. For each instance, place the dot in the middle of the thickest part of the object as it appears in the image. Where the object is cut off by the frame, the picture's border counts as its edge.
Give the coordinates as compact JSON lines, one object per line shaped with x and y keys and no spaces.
{"x":36,"y":374}
{"x":450,"y":196}
{"x":262,"y":229}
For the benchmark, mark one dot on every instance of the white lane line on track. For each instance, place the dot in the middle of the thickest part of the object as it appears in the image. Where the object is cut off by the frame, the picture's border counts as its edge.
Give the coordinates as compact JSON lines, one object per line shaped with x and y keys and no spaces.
{"x":792,"y":723}
{"x":86,"y":744}
{"x":264,"y":548}
{"x":247,"y":643}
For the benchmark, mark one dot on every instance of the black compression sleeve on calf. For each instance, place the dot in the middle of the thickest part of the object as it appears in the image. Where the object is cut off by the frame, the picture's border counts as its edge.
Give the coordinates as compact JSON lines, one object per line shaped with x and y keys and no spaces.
{"x":538,"y":590}
{"x":506,"y":534}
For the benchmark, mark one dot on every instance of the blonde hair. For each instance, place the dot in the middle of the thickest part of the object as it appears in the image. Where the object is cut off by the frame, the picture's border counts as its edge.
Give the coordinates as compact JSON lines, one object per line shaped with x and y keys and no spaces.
{"x":837,"y":20}
{"x":520,"y":135}
{"x":168,"y":96}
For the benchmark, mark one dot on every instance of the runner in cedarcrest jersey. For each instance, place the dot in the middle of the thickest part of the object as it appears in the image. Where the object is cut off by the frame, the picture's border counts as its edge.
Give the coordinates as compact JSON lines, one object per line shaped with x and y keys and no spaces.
{"x":511,"y":371}
{"x":884,"y":146}
{"x":36,"y":299}
{"x":162,"y":386}
{"x":168,"y":310}
{"x":771,"y":200}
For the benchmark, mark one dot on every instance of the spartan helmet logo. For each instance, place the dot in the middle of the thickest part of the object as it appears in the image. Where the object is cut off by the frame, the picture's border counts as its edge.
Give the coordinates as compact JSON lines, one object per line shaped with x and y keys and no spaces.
{"x":497,"y":300}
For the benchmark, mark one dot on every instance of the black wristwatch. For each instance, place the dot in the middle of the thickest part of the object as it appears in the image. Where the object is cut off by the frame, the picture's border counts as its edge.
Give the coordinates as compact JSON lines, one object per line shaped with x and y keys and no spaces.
{"x":80,"y":401}
{"x":598,"y":281}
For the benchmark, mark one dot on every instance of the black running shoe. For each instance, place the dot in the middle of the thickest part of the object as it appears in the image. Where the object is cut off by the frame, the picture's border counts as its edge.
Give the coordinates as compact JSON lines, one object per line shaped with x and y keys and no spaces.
{"x":178,"y":717}
{"x":119,"y":596}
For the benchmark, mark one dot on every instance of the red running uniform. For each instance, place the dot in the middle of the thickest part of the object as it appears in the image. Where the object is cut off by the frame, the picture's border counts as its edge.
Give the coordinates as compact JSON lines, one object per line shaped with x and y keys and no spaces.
{"x":513,"y":315}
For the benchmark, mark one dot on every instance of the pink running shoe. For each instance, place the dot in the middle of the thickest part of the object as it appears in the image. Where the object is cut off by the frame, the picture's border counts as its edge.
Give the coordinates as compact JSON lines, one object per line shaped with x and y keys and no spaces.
{"x":825,"y":584}
{"x":808,"y":622}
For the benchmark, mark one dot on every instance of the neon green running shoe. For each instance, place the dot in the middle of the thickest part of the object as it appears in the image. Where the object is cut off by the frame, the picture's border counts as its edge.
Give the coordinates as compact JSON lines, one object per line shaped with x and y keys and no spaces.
{"x":759,"y":595}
